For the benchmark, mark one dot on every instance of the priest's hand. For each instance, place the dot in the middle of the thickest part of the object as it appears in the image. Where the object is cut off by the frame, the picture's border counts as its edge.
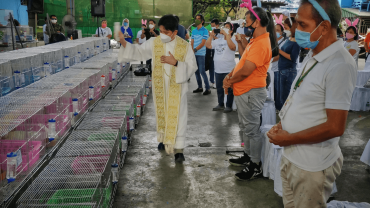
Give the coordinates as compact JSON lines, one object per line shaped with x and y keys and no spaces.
{"x":122,"y":39}
{"x":169,"y":59}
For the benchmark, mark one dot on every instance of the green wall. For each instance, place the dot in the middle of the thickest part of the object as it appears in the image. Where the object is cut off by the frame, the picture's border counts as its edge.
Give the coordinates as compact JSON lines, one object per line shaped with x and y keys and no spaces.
{"x":117,"y":10}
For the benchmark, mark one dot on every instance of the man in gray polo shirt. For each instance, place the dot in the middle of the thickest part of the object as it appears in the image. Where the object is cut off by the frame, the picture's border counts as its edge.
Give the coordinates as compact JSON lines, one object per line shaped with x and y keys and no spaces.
{"x":315,"y":113}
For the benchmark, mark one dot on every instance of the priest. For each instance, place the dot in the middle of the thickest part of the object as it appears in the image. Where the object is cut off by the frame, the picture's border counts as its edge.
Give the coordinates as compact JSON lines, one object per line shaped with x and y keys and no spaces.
{"x":173,"y":62}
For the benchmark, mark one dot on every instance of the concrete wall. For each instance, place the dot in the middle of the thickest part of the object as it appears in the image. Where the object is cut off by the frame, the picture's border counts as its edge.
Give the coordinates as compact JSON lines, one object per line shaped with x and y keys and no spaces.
{"x":19,"y":11}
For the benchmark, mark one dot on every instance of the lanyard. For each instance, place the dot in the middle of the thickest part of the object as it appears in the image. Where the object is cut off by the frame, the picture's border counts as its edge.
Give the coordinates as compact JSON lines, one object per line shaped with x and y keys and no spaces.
{"x":303,"y":75}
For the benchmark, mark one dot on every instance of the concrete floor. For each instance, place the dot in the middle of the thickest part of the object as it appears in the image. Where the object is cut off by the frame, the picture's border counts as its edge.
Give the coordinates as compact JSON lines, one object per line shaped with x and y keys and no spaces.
{"x":151,"y":178}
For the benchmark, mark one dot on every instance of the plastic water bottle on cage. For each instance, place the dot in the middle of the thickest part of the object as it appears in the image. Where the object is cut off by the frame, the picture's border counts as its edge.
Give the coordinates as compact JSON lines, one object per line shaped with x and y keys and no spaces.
{"x":11,"y":159}
{"x":52,"y":131}
{"x":105,"y":47}
{"x":150,"y":83}
{"x":87,"y":53}
{"x":144,"y":99}
{"x":47,"y":69}
{"x":75,"y":106}
{"x":17,"y":79}
{"x":138,"y":110}
{"x":132,"y":123}
{"x":113,"y":74}
{"x":102,"y":81}
{"x":66,"y":62}
{"x":91,"y":93}
{"x":118,"y":67}
{"x":124,"y":144}
{"x":147,"y":91}
{"x":114,"y":173}
{"x":97,"y":51}
{"x":117,"y":28}
{"x":78,"y":58}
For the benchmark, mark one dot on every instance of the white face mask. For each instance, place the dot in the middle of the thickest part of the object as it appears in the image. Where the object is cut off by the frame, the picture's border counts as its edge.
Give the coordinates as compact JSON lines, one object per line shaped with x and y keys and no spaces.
{"x":54,"y":21}
{"x":165,"y":38}
{"x":288,"y":33}
{"x":151,"y":26}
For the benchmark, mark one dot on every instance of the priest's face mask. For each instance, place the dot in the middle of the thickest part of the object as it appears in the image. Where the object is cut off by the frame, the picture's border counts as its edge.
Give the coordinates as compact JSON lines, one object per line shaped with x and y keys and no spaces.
{"x":167,"y":35}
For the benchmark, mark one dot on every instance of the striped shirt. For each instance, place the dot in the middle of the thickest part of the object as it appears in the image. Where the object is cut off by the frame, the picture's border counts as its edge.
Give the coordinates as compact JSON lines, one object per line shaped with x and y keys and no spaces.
{"x":198,"y":36}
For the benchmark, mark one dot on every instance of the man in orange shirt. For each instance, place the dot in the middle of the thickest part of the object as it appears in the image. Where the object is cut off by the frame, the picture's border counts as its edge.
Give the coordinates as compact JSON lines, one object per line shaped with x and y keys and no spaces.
{"x":248,"y":80}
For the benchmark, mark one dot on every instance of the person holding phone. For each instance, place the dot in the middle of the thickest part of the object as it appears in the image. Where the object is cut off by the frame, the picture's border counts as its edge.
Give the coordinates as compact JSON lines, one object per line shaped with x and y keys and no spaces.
{"x":126,"y":30}
{"x":151,"y":32}
{"x":140,"y":40}
{"x":224,"y":59}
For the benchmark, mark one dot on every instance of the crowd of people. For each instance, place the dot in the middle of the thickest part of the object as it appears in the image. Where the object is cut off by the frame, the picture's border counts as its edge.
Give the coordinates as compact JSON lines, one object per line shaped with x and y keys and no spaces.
{"x":314,"y":78}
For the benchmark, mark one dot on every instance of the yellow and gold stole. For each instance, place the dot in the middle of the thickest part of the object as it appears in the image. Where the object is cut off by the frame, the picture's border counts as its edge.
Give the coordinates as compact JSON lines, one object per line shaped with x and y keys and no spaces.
{"x":167,"y":108}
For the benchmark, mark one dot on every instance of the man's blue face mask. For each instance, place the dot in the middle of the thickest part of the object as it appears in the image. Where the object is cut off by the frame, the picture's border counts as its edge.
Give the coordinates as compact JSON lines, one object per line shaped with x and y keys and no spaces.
{"x":125,"y":23}
{"x":304,"y":38}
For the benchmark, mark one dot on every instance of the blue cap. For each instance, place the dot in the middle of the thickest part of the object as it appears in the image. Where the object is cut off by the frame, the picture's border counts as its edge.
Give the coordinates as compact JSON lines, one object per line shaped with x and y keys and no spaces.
{"x":51,"y":120}
{"x":12,"y":154}
{"x":320,"y":10}
{"x":114,"y":165}
{"x":51,"y":139}
{"x":91,"y":87}
{"x":79,"y":52}
{"x":11,"y":180}
{"x":46,"y":63}
{"x":124,"y":138}
{"x":74,"y":99}
{"x":97,"y":46}
{"x":17,"y":71}
{"x":75,"y":114}
{"x":65,"y":56}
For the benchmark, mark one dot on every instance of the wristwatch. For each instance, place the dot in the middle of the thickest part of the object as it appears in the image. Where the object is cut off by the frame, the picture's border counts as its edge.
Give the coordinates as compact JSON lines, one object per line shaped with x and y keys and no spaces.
{"x":177,"y":62}
{"x":195,"y":50}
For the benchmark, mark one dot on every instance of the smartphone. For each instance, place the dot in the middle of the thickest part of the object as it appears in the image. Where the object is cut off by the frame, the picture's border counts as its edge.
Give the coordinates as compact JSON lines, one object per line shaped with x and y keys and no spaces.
{"x":217,"y":31}
{"x":147,"y":31}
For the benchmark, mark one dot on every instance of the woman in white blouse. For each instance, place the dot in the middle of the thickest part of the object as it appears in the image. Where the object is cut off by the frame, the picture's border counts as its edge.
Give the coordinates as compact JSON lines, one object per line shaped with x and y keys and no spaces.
{"x":351,"y":42}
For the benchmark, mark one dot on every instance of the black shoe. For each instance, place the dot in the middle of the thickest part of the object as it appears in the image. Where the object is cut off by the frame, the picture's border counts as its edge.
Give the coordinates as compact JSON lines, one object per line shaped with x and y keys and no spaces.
{"x":198,"y":90}
{"x":179,"y":158}
{"x":228,"y":110}
{"x":219,"y":108}
{"x":252,"y":171}
{"x":161,"y":146}
{"x":241,"y":161}
{"x":207,"y":92}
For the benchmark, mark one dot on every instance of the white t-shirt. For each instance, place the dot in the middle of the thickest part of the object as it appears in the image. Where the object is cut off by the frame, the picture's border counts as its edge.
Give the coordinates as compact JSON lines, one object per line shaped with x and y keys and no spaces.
{"x":329,"y":85}
{"x":240,"y":30}
{"x":104,"y":32}
{"x":224,"y":58}
{"x":46,"y":37}
{"x":353,"y":45}
{"x":275,"y":65}
{"x":139,"y":36}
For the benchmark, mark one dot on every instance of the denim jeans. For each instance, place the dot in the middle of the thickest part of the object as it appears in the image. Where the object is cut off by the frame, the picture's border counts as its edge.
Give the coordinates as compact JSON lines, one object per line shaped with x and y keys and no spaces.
{"x":250,"y":106}
{"x":201,"y":60}
{"x":212,"y":67}
{"x":221,"y":92}
{"x":276,"y":87}
{"x":286,"y":79}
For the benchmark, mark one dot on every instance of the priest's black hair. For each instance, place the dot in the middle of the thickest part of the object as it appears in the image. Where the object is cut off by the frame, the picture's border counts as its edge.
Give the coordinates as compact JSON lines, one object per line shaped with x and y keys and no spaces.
{"x":169,"y":22}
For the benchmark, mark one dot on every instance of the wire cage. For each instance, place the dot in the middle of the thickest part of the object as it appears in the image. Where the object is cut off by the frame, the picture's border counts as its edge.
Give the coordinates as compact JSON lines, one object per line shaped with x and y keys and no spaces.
{"x":112,"y":105}
{"x":105,"y":120}
{"x":27,"y":143}
{"x":60,"y":183}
